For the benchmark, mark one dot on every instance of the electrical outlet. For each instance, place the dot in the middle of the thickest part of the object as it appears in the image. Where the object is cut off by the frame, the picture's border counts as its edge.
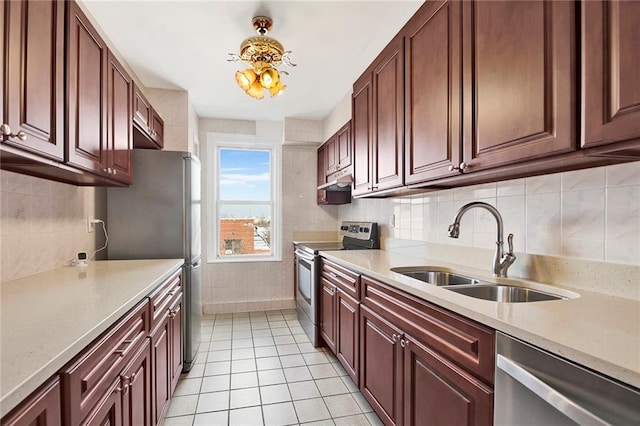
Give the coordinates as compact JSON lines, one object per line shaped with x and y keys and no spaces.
{"x":90,"y":225}
{"x":392,"y":221}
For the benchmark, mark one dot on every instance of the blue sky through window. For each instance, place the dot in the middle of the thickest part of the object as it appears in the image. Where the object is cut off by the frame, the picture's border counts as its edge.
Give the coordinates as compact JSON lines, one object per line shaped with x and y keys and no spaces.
{"x":245,"y":175}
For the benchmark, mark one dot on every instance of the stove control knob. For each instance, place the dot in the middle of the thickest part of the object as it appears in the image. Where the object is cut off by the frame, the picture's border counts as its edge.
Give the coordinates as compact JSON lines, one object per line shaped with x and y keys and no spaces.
{"x":361,"y":229}
{"x":365,"y":230}
{"x":344,"y":228}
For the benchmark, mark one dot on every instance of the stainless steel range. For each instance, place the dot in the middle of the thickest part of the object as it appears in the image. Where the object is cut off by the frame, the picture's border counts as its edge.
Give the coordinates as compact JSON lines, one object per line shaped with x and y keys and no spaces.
{"x":355,"y":236}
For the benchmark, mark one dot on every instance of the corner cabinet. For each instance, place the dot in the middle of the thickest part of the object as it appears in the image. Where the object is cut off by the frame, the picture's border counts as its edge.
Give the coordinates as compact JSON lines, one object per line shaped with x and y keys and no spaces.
{"x":378,"y":123}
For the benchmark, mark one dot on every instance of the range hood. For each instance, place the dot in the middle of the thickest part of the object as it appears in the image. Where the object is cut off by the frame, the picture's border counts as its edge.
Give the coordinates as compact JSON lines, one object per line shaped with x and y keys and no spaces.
{"x":340,"y":183}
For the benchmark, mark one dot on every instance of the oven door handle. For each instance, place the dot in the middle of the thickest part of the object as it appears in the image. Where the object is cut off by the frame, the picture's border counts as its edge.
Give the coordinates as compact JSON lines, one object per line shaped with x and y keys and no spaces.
{"x":304,"y":256}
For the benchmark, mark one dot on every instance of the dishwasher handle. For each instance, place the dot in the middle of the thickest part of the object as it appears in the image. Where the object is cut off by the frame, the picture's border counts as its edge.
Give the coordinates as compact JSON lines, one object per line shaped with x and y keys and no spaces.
{"x":556,"y":399}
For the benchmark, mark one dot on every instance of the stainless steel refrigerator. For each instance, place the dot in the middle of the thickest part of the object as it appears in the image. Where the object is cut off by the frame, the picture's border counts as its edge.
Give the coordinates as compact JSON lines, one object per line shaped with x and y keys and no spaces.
{"x":158,"y":217}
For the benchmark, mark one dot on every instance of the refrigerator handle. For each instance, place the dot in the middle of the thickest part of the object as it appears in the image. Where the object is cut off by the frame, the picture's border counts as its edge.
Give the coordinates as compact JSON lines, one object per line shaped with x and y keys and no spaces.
{"x":197,"y":264}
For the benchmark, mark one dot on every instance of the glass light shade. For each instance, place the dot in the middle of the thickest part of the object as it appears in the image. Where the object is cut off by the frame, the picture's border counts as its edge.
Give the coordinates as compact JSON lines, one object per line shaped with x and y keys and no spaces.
{"x":277,"y":89}
{"x":269,"y":78}
{"x":255,"y":91}
{"x":246,"y":78}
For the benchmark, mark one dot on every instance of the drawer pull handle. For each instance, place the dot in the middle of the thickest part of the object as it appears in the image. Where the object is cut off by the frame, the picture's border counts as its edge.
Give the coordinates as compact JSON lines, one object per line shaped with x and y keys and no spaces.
{"x":332,"y":275}
{"x":172,"y":293}
{"x":122,"y":351}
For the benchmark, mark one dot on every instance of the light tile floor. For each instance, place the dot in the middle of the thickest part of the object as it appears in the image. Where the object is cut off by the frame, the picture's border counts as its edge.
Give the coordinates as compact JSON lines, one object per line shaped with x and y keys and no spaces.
{"x":259,"y":368}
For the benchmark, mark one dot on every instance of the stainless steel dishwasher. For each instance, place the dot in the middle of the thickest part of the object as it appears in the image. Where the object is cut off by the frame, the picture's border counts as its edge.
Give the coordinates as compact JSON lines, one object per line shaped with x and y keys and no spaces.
{"x":534,"y":387}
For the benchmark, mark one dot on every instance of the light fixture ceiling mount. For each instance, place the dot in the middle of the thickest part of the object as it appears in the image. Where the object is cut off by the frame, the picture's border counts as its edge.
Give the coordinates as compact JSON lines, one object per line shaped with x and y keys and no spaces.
{"x":264,"y":54}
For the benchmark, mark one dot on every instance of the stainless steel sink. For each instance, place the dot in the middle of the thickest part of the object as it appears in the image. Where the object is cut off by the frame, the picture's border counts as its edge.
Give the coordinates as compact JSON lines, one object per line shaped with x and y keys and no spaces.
{"x":504,"y":293}
{"x":435,"y":277}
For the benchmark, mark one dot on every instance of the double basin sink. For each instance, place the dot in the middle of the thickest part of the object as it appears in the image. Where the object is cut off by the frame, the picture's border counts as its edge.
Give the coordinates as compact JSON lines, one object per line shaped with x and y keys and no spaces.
{"x":477,"y":288}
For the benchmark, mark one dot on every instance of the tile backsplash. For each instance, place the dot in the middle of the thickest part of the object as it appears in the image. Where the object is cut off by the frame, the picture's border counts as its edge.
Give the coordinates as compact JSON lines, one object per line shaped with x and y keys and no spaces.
{"x":591,"y":214}
{"x":43,"y":224}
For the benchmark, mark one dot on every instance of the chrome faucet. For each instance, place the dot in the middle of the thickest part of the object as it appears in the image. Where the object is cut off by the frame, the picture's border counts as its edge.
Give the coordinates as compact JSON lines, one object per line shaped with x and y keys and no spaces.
{"x":501,"y":260}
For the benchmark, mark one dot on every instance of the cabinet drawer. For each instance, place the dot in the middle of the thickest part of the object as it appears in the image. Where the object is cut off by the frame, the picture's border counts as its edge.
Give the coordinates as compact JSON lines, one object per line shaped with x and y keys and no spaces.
{"x":465,"y":342}
{"x":163,"y":296}
{"x":86,"y":379}
{"x":42,"y":407}
{"x":345,"y":279}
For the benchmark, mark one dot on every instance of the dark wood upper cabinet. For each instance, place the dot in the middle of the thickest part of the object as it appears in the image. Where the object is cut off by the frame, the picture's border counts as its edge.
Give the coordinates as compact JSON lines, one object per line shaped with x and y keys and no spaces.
{"x":362,"y":129}
{"x":519,"y":81}
{"x":33,"y":76}
{"x":610,"y":67}
{"x":148,"y":125}
{"x":378,"y":123}
{"x":87,"y":60}
{"x":433,"y":91}
{"x":343,"y":143}
{"x":388,"y":117}
{"x":119,"y":126}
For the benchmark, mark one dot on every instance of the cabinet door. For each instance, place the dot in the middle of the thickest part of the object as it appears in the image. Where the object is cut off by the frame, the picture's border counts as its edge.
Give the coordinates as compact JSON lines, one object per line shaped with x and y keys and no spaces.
{"x":109,"y":410}
{"x":610,"y":64}
{"x":381,"y":366}
{"x":347,"y":334}
{"x":136,"y":391}
{"x":119,"y":130}
{"x":176,"y":338}
{"x":86,"y":93}
{"x":433,"y":96}
{"x":343,"y":146}
{"x":42,"y":408}
{"x":157,"y":129}
{"x":141,"y":110}
{"x":361,"y":113}
{"x":438,"y":392}
{"x":388,"y":117}
{"x":519,"y":83}
{"x":33,"y":95}
{"x":161,"y":371}
{"x":327,"y":313}
{"x":331,"y":153}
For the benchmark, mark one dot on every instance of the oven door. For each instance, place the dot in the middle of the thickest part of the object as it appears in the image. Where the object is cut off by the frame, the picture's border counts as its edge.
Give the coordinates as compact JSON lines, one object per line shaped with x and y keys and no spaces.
{"x":305,"y":271}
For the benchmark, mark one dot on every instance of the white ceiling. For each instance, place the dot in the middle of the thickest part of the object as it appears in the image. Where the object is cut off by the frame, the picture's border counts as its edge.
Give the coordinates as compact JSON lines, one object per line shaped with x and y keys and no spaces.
{"x":185,"y":44}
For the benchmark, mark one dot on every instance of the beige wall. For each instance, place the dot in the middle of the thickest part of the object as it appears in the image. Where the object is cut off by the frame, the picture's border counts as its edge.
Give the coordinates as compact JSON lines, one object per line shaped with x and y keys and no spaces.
{"x":246,"y":286}
{"x":44,"y":223}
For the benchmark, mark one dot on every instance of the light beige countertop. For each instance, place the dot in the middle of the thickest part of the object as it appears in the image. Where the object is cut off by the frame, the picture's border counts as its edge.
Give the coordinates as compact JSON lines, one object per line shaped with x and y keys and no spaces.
{"x":598,"y":331}
{"x":48,"y":318}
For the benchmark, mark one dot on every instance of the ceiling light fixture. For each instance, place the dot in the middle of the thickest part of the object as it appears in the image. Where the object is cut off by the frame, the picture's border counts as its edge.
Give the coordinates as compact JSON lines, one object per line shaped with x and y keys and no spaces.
{"x":264,"y":54}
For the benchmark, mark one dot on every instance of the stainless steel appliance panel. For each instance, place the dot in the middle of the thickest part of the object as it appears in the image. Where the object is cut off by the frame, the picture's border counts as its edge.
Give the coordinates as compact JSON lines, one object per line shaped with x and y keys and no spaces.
{"x":147,"y":219}
{"x":307,"y":294}
{"x":534,"y":387}
{"x":193,"y":312}
{"x":159,"y":217}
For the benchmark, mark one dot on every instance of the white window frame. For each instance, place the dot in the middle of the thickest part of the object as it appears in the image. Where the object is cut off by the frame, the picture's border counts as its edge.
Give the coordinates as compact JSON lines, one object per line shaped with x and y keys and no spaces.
{"x":250,"y":142}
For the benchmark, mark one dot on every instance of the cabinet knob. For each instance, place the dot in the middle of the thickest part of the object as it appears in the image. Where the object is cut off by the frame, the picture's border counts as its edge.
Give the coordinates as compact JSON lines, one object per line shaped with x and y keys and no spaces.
{"x":461,"y":168}
{"x":6,"y":131}
{"x":114,"y":172}
{"x":404,"y":343}
{"x":395,"y":338}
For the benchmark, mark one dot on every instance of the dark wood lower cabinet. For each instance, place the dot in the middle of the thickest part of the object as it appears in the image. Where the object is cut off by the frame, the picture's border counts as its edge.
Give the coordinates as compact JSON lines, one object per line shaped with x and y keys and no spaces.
{"x":136,"y":393}
{"x":437,"y":392}
{"x":161,"y":356}
{"x":327,"y":313}
{"x":41,"y":409}
{"x":109,"y":410}
{"x":175,"y":314}
{"x":347,"y":332}
{"x":381,"y":366}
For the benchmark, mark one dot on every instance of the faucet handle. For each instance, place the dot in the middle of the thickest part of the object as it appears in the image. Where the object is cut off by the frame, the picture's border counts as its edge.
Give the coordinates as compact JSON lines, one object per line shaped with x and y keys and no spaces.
{"x":510,"y":243}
